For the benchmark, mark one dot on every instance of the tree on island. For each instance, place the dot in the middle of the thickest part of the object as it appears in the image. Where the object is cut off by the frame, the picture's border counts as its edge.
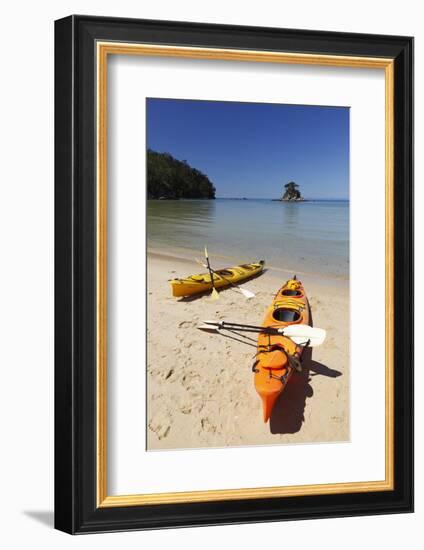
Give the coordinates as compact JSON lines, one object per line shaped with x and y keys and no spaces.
{"x":292,"y":192}
{"x":169,"y":178}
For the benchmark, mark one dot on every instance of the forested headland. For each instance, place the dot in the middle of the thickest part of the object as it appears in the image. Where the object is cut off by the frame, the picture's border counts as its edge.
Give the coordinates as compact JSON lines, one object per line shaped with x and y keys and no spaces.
{"x":169,"y":178}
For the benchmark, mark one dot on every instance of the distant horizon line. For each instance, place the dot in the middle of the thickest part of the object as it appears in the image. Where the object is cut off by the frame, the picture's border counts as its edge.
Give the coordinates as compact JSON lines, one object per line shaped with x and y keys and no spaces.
{"x":276,"y":199}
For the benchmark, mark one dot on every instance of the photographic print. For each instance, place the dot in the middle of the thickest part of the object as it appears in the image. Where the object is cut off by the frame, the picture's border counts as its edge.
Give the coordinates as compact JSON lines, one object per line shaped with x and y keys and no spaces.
{"x":247,"y":274}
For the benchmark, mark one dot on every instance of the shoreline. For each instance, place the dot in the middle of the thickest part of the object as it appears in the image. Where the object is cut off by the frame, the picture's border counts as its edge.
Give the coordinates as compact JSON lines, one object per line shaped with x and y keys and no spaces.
{"x":187,"y":256}
{"x":200,"y":390}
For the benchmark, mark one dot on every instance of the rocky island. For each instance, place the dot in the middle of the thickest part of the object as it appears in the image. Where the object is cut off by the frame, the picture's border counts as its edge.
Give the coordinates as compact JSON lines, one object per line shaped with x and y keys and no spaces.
{"x":291,"y":193}
{"x":172,"y":179}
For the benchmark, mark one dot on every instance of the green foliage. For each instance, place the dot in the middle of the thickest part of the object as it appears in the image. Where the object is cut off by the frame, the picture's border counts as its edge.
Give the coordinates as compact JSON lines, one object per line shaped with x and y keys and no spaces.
{"x":170,"y":178}
{"x":291,"y":185}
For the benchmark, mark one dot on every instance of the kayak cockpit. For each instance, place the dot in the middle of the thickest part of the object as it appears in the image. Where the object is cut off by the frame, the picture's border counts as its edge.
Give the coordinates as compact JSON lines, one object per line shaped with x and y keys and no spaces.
{"x":286,"y":315}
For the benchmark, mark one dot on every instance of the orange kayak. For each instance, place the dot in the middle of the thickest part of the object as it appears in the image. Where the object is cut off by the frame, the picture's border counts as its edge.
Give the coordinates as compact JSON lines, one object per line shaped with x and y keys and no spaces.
{"x":277,"y":355}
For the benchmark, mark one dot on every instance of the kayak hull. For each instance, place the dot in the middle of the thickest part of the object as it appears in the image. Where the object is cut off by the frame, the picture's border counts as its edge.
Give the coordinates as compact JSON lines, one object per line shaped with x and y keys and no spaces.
{"x":197,"y":284}
{"x":272,"y":368}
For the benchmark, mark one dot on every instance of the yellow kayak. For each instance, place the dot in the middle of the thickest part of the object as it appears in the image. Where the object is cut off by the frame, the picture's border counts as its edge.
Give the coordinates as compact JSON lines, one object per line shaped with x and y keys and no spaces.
{"x":195,"y":284}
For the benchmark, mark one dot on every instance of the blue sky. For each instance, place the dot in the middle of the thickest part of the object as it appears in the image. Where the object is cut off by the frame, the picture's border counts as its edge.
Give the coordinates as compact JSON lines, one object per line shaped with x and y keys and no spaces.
{"x":252,"y":149}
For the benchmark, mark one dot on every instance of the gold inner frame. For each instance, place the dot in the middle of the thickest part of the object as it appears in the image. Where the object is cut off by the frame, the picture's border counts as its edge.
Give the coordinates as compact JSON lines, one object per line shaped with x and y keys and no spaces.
{"x":104,"y":49}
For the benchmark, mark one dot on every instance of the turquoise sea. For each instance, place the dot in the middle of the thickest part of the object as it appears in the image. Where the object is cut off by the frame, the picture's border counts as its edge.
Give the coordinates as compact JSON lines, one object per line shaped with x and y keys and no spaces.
{"x":310,"y":237}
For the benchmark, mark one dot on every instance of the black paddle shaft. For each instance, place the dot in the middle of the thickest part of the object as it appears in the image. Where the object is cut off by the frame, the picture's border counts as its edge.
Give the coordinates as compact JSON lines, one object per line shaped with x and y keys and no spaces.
{"x":210,"y":271}
{"x":241,"y":325}
{"x":265,"y":330}
{"x":222,"y":276}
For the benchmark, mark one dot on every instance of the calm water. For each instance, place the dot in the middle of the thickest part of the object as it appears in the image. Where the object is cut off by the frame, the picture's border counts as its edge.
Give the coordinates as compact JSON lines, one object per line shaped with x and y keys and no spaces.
{"x":309,"y":237}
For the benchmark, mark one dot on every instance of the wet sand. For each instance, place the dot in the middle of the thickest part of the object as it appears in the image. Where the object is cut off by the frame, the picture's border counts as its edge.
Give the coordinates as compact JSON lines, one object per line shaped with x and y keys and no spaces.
{"x":200,"y":389}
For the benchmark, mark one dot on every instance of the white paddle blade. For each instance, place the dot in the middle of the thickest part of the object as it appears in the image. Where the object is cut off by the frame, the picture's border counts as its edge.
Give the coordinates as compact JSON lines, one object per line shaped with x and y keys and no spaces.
{"x":208,"y":328}
{"x":246,"y":293}
{"x":200,"y":262}
{"x":300,"y":334}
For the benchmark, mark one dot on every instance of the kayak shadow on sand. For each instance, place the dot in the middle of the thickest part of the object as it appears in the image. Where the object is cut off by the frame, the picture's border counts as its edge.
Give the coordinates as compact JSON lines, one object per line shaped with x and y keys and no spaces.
{"x":287,"y":415}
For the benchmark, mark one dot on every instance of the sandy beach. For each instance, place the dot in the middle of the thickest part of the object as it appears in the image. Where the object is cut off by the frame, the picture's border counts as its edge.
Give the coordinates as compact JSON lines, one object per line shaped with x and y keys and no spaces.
{"x":200,"y":389}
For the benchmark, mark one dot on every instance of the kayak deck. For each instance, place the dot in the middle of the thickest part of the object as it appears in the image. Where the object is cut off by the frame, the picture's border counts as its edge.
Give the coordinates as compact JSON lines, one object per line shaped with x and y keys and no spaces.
{"x":196,"y":284}
{"x":272,"y":367}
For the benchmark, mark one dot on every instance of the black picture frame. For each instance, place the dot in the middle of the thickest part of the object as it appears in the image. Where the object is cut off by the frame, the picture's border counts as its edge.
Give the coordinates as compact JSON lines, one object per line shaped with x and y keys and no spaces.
{"x":76,"y":510}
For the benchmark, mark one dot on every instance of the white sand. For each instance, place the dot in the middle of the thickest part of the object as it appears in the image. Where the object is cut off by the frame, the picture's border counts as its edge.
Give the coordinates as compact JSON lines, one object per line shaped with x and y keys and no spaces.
{"x":200,"y":390}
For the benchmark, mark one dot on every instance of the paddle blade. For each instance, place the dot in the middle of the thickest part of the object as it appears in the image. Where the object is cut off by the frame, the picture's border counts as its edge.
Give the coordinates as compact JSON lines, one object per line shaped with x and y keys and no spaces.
{"x":300,"y":334}
{"x":208,"y":328}
{"x":206,"y":253}
{"x":200,"y":262}
{"x":246,"y":293}
{"x":216,"y":323}
{"x":215,"y":295}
